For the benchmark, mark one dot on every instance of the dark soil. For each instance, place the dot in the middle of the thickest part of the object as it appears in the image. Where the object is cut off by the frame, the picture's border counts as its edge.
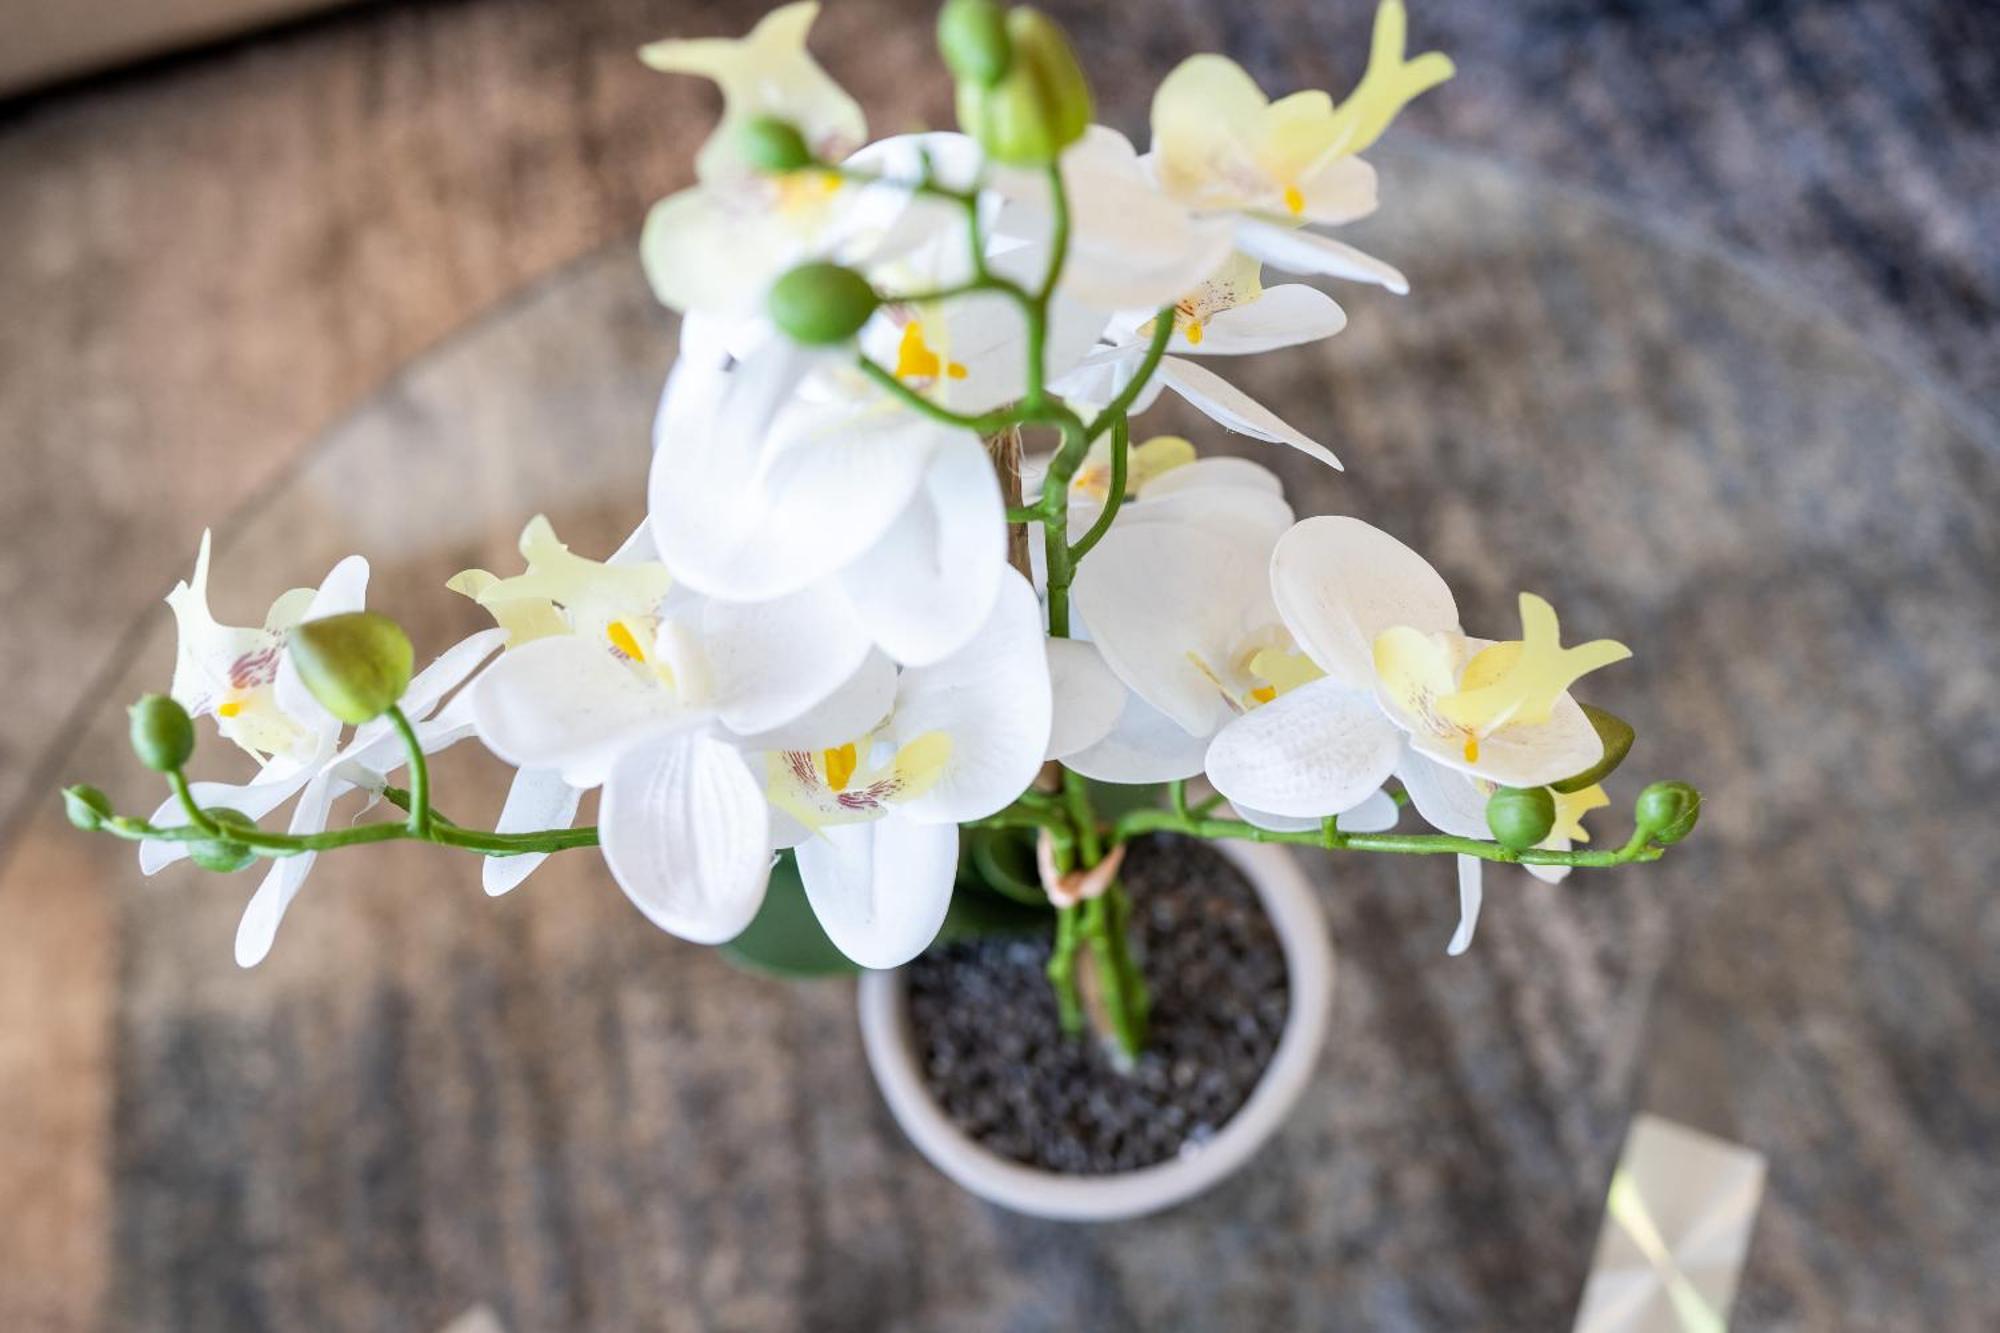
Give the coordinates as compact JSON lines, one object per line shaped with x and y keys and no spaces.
{"x":994,"y":1054}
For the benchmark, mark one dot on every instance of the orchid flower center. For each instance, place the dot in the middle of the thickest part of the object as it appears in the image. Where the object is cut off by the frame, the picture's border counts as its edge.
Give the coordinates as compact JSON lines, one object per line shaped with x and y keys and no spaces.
{"x":1264,"y":667}
{"x":1516,"y":681}
{"x":854,"y":781}
{"x":1238,"y":282}
{"x":917,"y":363}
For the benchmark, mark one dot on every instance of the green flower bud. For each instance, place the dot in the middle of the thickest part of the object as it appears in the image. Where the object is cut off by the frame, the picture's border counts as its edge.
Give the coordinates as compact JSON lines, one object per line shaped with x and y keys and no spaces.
{"x":1667,"y":811}
{"x":1040,"y":106}
{"x":820,"y":303}
{"x":972,"y":34}
{"x":219,"y":854}
{"x":770,"y":144}
{"x":357,"y":665}
{"x":162,"y":733}
{"x":86,"y":806}
{"x":1520,"y":817}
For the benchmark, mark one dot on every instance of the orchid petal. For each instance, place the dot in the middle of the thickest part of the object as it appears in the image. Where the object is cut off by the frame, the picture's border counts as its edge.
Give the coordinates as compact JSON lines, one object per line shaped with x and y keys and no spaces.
{"x":1447,"y":800}
{"x":343,"y":591}
{"x":1145,"y":746}
{"x":685,"y":831}
{"x":537,"y":799}
{"x":566,"y":704}
{"x":770,"y":662}
{"x":991,"y":698}
{"x":1231,"y":408}
{"x":1284,"y":316}
{"x":1169,"y":606}
{"x":880,"y":889}
{"x":1298,"y":251}
{"x":1311,"y":752}
{"x":258,"y":929}
{"x":1087,"y":697}
{"x":1213,"y":473}
{"x":1523,"y":754}
{"x":1470,"y":875}
{"x":853,"y":709}
{"x":928,"y":584}
{"x":1339,"y":583}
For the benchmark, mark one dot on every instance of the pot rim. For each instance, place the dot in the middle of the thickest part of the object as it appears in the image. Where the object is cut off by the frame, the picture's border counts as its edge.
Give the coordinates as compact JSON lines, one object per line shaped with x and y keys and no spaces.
{"x":1288,"y":899}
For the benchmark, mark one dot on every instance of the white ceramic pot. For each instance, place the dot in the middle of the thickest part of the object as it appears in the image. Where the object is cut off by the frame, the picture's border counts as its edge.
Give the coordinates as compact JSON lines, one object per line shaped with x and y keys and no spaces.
{"x":1289,"y":900}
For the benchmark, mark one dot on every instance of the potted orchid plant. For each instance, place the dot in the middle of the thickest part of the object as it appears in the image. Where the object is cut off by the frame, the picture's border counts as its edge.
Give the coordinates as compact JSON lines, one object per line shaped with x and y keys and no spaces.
{"x":919,"y":638}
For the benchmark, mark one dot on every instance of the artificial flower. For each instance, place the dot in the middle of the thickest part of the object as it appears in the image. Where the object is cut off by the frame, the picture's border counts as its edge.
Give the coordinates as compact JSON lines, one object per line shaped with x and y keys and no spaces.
{"x":244,"y":679}
{"x":872,"y":804}
{"x":767,"y":73}
{"x":716,"y":246}
{"x":1176,"y":599}
{"x":1220,"y":146}
{"x":644,"y":694}
{"x":1400,"y":690}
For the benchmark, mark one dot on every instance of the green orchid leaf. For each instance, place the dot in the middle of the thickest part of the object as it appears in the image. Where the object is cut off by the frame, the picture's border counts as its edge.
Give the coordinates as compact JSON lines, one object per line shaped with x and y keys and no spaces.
{"x":1617,"y":735}
{"x":976,"y":916}
{"x":784,"y":939}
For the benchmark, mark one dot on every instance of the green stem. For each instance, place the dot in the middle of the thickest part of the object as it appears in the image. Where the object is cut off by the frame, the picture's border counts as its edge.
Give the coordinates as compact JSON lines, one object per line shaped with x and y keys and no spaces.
{"x":198,"y":818}
{"x":1163,"y":332}
{"x":1114,"y":498}
{"x":420,"y":774}
{"x":1331,"y":838}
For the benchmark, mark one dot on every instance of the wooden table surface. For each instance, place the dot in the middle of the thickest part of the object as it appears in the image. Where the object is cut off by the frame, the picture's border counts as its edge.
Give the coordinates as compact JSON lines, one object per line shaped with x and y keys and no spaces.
{"x":1783,"y":502}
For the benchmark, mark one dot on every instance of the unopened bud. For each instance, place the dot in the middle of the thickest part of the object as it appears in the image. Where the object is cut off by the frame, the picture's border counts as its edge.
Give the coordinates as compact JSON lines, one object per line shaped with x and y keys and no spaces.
{"x":1040,"y":106}
{"x":86,"y":806}
{"x":162,"y":733}
{"x":220,"y":854}
{"x":972,"y":34}
{"x":357,"y":665}
{"x":1667,"y":811}
{"x":820,"y":303}
{"x":1520,"y":817}
{"x":770,"y":144}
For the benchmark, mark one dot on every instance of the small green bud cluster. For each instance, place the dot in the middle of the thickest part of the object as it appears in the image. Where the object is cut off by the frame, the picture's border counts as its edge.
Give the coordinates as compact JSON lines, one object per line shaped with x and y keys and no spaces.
{"x":1021,"y":93}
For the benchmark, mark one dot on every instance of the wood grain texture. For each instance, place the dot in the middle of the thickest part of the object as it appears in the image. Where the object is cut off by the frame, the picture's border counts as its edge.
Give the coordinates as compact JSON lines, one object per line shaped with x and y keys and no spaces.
{"x":427,"y":1099}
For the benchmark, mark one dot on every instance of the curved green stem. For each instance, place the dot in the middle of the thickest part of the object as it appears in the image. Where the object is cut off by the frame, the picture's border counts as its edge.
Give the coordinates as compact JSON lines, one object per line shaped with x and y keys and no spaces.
{"x":420,"y":774}
{"x":1329,"y":837}
{"x":1114,"y":498}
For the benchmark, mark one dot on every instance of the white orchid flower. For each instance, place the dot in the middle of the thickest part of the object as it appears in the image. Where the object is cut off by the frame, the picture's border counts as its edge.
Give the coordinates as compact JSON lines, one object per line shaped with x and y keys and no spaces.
{"x":1230,"y":313}
{"x":1221,"y":147}
{"x":717,"y":246}
{"x":870,"y":789}
{"x":1395,"y":688}
{"x":244,"y":679}
{"x":643,"y":691}
{"x":1177,"y":599}
{"x":770,"y":480}
{"x":767,"y":73}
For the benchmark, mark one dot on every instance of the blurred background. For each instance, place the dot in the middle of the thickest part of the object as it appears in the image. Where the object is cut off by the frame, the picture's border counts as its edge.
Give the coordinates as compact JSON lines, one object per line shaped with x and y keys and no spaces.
{"x":226,"y":225}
